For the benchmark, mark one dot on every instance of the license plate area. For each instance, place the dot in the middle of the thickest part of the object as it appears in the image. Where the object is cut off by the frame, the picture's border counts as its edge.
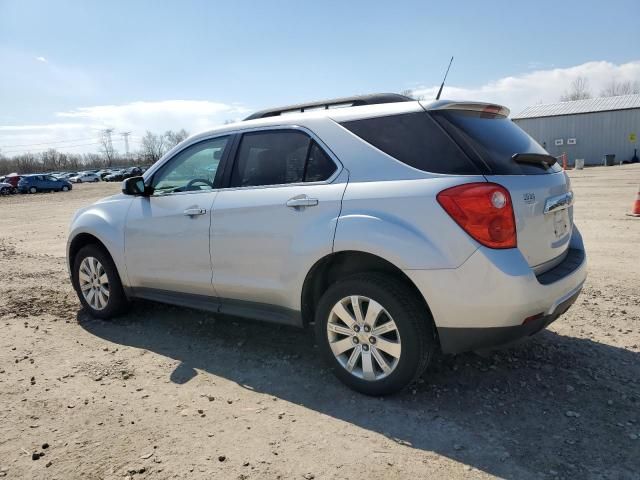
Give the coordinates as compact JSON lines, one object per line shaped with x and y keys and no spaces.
{"x":560,"y":223}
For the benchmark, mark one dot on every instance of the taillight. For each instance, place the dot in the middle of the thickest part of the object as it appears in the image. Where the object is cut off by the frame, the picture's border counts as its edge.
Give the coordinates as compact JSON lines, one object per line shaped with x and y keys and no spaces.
{"x":484,"y":211}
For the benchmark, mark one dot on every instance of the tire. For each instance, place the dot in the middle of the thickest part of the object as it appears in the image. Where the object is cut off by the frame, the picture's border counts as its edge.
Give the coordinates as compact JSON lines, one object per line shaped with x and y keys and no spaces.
{"x":78,"y":181}
{"x":5,"y":191}
{"x":414,"y":333}
{"x":65,"y":188}
{"x":96,"y":180}
{"x":33,"y":190}
{"x":116,"y":302}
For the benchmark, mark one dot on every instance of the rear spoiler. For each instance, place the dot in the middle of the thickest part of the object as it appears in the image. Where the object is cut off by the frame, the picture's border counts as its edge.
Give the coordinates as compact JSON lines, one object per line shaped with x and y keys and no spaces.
{"x":539,"y":159}
{"x":491,"y":109}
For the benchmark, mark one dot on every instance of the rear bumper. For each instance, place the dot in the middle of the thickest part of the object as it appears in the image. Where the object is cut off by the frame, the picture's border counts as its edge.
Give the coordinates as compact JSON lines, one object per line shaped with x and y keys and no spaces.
{"x":457,"y":340}
{"x":486,"y":300}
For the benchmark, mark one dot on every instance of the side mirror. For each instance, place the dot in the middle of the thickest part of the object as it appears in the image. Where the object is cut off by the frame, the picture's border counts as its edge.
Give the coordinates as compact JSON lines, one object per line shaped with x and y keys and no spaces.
{"x":135,"y":186}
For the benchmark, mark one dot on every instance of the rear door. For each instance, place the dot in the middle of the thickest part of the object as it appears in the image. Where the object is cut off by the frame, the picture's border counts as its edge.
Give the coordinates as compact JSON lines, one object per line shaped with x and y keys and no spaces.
{"x":277,"y":216}
{"x":540,"y":192}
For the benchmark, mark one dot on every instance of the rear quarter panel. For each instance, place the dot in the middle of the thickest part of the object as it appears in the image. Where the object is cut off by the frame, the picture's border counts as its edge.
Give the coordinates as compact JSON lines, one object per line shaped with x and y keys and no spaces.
{"x":402,"y":222}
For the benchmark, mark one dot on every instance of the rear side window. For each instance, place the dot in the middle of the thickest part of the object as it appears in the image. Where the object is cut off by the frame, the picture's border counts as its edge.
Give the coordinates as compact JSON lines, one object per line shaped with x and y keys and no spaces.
{"x":415,"y":139}
{"x":279,"y":157}
{"x":493,"y":140}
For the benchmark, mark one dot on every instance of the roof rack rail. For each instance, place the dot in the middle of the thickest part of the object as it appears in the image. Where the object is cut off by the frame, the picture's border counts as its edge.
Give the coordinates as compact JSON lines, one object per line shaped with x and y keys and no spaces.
{"x":333,"y":103}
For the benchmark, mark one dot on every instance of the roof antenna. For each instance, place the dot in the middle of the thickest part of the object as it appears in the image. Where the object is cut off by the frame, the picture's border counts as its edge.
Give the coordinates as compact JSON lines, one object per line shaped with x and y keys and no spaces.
{"x":444,"y":79}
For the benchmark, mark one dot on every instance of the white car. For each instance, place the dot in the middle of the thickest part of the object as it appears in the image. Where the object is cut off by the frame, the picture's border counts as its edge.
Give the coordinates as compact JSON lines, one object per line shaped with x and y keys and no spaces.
{"x":85,"y":177}
{"x":397,"y":227}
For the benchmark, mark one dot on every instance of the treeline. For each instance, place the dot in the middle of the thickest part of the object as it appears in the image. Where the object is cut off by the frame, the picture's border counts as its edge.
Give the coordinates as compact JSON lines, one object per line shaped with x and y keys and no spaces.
{"x":152,"y":147}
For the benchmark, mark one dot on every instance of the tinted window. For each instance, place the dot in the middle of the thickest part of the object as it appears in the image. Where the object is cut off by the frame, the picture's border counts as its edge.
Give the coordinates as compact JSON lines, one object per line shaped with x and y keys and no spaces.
{"x":494,"y":139}
{"x":192,"y":169}
{"x":270,"y":158}
{"x":415,"y":139}
{"x":319,"y":166}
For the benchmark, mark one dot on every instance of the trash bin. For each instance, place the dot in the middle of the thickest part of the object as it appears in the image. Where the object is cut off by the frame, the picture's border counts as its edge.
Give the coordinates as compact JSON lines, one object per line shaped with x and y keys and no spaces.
{"x":579,"y":163}
{"x":609,"y":159}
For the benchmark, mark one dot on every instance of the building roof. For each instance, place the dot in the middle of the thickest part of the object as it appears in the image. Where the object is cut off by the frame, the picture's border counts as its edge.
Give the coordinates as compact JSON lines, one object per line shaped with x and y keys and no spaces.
{"x":601,"y":104}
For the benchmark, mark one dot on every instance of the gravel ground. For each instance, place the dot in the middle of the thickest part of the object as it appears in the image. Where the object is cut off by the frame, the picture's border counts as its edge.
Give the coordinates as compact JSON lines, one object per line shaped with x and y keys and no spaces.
{"x":165,"y":392}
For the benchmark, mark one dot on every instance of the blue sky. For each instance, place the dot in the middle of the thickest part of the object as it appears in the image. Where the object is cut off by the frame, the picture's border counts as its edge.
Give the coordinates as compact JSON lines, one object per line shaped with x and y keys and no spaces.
{"x":145,"y":64}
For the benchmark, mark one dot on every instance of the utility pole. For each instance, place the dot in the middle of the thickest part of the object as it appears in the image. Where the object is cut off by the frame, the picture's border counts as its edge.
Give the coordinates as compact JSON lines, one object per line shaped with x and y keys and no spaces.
{"x":125,"y":135}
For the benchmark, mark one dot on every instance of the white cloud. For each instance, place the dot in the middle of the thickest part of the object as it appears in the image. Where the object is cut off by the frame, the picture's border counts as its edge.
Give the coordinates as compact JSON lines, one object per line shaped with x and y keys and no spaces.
{"x":540,"y":86}
{"x":41,"y":59}
{"x":193,"y":115}
{"x":85,"y":124}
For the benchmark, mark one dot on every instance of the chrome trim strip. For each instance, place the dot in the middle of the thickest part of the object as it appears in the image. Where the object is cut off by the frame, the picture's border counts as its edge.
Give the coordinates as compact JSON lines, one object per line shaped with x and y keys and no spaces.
{"x":559,"y":202}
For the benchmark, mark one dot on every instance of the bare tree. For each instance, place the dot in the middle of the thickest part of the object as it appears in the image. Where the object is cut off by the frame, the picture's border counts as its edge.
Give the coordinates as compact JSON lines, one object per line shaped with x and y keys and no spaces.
{"x":106,"y":148}
{"x":174,"y":138}
{"x":411,"y":94}
{"x":579,"y":90}
{"x":153,"y":146}
{"x":615,"y":88}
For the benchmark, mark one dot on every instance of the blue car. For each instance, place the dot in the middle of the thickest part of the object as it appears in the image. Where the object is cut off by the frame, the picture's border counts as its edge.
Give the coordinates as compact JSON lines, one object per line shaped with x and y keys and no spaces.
{"x":42,"y":183}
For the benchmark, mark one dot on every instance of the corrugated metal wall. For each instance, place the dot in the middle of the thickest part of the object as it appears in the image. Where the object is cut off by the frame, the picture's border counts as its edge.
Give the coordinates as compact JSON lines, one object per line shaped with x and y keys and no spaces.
{"x":596,"y":134}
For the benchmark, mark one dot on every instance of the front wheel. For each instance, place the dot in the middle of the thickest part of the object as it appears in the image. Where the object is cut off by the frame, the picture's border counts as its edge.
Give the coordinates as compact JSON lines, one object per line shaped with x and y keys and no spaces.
{"x":97,"y":283}
{"x":375,"y":333}
{"x":65,"y":188}
{"x":5,"y":191}
{"x":33,"y":190}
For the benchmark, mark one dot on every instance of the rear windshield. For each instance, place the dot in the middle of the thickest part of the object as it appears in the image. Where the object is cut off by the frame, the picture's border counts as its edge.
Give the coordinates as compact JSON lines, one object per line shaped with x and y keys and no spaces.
{"x":415,"y":139}
{"x":493,"y":140}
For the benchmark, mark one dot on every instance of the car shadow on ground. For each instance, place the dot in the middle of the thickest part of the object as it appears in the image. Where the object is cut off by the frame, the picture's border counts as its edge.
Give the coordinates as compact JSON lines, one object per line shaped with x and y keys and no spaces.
{"x":552,"y":406}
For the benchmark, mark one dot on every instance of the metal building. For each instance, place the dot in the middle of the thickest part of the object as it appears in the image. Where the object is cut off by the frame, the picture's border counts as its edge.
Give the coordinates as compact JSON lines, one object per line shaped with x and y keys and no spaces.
{"x":587,"y":129}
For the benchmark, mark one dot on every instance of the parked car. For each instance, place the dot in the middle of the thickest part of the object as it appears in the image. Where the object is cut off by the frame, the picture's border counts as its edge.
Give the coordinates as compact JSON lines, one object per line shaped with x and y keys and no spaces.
{"x":396,"y":227}
{"x":12,"y":179}
{"x":104,"y":172}
{"x":7,"y":188}
{"x":114,"y":176}
{"x":85,"y":177}
{"x":42,"y":183}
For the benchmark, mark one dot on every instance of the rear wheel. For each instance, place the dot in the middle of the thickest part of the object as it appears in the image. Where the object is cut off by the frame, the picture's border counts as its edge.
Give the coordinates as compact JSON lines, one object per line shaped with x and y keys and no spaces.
{"x":96,"y":180}
{"x":97,"y":283}
{"x":375,"y":333}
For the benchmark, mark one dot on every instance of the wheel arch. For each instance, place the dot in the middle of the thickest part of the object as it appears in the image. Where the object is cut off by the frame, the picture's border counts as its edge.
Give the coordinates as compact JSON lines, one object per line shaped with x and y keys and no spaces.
{"x":334,"y":266}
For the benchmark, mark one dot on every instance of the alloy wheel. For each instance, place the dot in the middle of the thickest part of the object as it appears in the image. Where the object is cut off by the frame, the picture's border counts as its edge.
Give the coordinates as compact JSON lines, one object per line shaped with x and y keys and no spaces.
{"x":94,"y":283}
{"x":364,"y":338}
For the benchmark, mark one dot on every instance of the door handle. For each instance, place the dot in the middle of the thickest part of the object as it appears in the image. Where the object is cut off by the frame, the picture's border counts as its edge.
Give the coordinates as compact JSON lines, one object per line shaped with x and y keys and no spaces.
{"x":302,"y":201}
{"x":192,"y":212}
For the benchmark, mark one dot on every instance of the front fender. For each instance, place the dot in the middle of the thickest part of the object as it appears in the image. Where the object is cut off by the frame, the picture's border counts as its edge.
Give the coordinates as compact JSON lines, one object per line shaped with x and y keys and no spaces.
{"x":104,"y":220}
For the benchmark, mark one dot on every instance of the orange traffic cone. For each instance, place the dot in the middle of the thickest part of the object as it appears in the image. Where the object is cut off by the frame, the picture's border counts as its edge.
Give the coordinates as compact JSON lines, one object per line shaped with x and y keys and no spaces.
{"x":636,"y":206}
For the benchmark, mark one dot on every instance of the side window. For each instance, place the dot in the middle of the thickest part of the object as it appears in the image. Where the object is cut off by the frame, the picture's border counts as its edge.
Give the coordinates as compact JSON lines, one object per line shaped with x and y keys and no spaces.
{"x":270,"y":158}
{"x":193,"y":169}
{"x":51,"y":179}
{"x":319,"y":166}
{"x":416,"y":140}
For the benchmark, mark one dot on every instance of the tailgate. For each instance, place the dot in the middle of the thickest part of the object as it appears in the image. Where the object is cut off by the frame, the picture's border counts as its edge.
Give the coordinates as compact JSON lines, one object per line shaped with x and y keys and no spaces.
{"x":544,"y":216}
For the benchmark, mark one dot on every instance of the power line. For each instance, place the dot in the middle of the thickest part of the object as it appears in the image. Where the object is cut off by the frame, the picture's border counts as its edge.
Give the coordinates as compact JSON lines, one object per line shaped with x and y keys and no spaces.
{"x":47,"y":148}
{"x":47,"y":143}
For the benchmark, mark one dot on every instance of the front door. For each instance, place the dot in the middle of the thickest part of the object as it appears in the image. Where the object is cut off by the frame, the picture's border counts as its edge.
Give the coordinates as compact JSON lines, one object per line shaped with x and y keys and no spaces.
{"x":276,"y":218}
{"x":167,"y":233}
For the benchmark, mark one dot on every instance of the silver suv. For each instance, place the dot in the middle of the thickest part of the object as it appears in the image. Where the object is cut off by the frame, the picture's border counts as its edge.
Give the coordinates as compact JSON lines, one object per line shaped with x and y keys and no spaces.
{"x":397,"y":227}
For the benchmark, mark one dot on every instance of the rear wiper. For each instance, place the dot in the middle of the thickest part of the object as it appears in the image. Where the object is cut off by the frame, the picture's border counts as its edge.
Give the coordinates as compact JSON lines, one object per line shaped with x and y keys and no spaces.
{"x":539,"y":159}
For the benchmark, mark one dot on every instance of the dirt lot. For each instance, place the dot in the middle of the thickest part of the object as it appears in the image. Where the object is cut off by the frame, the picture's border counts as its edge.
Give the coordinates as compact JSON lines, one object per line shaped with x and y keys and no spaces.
{"x":171,"y":393}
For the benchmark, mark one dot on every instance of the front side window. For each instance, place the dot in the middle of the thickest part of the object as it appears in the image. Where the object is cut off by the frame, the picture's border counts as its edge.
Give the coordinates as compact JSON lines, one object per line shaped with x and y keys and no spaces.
{"x":278,"y":158}
{"x":193,"y":169}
